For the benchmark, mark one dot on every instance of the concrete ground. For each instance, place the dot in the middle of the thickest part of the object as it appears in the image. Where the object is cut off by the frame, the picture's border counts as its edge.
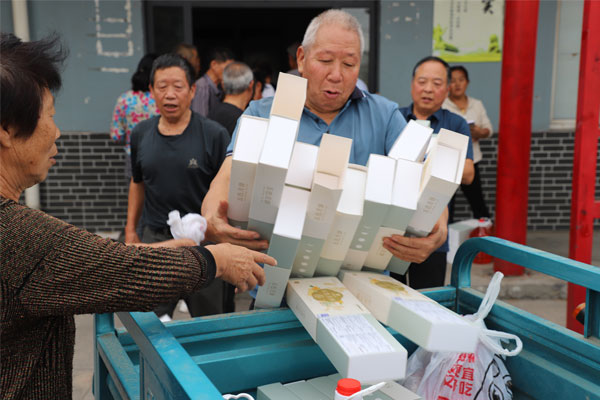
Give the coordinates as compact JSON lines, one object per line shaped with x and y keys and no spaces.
{"x":534,"y":292}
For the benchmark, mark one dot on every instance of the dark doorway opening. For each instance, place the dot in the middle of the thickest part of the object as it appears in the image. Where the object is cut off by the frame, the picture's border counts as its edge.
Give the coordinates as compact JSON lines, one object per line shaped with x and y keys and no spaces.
{"x":256,"y":31}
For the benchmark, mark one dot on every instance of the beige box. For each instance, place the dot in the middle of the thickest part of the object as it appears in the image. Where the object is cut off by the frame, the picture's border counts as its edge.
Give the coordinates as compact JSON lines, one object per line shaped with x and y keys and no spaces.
{"x":246,"y":153}
{"x":412,"y":143}
{"x":442,"y":175}
{"x":405,"y":196}
{"x":327,"y":185}
{"x":347,"y":217}
{"x":412,"y":314}
{"x":355,"y":343}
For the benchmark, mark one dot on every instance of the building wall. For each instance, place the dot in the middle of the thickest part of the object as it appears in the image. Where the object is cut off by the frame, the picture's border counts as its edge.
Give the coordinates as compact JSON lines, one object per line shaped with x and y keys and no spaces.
{"x":88,"y":188}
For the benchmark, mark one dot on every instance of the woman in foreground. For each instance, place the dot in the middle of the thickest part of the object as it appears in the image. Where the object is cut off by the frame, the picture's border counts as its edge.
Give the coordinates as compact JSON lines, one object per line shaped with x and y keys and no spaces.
{"x":51,"y":270}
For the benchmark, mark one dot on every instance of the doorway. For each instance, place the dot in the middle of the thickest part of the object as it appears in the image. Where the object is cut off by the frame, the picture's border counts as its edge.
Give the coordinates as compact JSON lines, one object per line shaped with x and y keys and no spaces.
{"x":258,"y":32}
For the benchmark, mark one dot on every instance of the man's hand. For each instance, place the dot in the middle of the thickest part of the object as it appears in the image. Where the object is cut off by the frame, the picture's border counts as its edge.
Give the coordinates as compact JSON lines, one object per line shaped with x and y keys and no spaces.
{"x":220,"y":231}
{"x":239,"y":266}
{"x":415,"y":249}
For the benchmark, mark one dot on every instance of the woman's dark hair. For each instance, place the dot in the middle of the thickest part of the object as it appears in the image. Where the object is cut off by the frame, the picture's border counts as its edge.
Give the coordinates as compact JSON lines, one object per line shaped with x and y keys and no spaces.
{"x":173,"y":60}
{"x":141,"y":78}
{"x":436,"y":59}
{"x":460,"y":68}
{"x":26,"y":70}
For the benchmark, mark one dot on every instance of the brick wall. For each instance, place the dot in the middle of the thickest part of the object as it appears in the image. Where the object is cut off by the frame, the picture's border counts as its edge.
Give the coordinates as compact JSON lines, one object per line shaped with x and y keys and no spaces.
{"x":550,"y":180}
{"x":88,"y":187}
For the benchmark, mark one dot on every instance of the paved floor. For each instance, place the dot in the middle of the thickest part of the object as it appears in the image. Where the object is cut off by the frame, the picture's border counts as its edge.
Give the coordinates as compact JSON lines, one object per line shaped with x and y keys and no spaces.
{"x":523,"y":292}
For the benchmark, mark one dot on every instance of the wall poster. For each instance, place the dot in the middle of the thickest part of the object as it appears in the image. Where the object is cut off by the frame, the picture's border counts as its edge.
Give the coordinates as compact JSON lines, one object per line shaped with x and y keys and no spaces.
{"x":468,"y":30}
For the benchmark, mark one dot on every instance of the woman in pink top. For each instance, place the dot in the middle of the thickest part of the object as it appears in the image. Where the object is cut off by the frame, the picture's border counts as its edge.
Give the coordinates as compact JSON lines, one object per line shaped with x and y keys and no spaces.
{"x":134,"y":106}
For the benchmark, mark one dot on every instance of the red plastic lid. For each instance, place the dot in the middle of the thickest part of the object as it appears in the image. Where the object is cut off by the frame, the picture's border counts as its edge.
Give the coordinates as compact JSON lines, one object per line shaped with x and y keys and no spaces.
{"x":348,"y":386}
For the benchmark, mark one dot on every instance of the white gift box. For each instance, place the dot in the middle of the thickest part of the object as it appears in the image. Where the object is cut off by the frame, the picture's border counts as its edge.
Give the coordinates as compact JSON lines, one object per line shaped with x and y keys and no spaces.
{"x":412,"y":314}
{"x":355,"y":343}
{"x":405,"y":196}
{"x":378,"y":197}
{"x":347,"y":217}
{"x":412,"y":143}
{"x":246,"y":153}
{"x":442,"y":175}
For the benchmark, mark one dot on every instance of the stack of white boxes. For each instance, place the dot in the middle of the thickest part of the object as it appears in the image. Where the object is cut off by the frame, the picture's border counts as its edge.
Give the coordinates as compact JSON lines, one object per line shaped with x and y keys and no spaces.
{"x":321,"y":214}
{"x":288,"y":225}
{"x":355,"y":343}
{"x":276,"y":153}
{"x":327,"y":185}
{"x":405,"y":196}
{"x":377,"y":200}
{"x":442,"y":175}
{"x":345,"y":223}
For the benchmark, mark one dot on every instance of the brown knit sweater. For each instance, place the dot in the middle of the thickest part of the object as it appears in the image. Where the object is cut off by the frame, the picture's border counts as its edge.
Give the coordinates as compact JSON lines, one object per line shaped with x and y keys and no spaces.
{"x":52,"y":270}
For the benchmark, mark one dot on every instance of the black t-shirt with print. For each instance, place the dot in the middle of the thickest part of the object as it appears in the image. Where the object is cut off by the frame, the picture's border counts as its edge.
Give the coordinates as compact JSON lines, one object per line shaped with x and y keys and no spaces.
{"x":176,"y":170}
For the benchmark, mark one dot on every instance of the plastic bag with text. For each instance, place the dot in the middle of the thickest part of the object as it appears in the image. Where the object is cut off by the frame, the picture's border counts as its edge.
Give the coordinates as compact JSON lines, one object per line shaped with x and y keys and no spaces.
{"x":466,"y":376}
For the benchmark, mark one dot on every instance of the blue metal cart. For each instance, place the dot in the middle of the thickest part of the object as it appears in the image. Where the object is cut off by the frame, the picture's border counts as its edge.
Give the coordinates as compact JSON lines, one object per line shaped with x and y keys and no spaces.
{"x":205,"y":357}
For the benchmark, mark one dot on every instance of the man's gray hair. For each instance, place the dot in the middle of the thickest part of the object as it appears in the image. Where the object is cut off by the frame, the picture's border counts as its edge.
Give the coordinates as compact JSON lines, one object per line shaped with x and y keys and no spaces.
{"x":333,"y":16}
{"x":236,"y":78}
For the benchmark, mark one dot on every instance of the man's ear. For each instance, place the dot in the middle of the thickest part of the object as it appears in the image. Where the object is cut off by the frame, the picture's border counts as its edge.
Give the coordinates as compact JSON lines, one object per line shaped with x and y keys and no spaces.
{"x":300,"y":54}
{"x":6,"y":139}
{"x":251,"y":86}
{"x":213,"y":65}
{"x":193,"y":89}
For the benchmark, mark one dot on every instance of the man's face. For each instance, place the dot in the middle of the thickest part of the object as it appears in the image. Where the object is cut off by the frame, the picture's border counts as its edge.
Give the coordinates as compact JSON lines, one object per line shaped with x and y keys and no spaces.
{"x":429,"y":87}
{"x":331,"y":66}
{"x":172,"y":92}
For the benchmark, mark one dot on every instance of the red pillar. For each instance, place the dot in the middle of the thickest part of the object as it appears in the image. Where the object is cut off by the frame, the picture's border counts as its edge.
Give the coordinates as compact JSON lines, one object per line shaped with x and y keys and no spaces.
{"x":516,"y":104}
{"x":584,"y":207}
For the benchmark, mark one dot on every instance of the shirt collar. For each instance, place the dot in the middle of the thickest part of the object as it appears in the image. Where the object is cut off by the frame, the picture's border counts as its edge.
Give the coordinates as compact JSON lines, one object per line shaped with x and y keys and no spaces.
{"x":436,"y":116}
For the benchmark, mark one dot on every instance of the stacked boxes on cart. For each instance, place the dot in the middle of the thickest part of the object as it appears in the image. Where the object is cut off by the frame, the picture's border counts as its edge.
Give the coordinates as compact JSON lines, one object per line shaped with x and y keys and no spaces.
{"x":326,"y":217}
{"x":319,"y":212}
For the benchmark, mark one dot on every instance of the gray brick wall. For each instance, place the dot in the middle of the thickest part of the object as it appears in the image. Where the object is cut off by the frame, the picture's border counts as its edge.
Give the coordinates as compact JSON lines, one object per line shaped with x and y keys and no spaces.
{"x":88,"y":187}
{"x":550,"y":180}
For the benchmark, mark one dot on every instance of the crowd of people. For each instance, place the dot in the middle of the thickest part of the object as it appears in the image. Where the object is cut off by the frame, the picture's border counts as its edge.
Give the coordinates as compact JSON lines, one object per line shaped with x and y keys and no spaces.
{"x":178,"y":129}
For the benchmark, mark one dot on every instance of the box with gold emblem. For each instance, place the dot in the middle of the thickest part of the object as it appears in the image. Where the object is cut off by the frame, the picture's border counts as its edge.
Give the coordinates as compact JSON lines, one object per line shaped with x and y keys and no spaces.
{"x":355,"y":343}
{"x":414,"y":315}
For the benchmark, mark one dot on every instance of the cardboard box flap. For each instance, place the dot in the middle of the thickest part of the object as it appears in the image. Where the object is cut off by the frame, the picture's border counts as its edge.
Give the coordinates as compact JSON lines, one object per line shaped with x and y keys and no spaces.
{"x":292,"y":212}
{"x":353,"y":193}
{"x":250,"y":138}
{"x":412,"y":142}
{"x":279,"y":143}
{"x":302,"y":165}
{"x":459,"y":142}
{"x":334,"y":153}
{"x":380,"y":180}
{"x":289,"y":97}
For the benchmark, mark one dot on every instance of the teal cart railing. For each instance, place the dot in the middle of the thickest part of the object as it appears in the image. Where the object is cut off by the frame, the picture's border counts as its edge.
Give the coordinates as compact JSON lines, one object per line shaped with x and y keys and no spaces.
{"x":205,"y":357}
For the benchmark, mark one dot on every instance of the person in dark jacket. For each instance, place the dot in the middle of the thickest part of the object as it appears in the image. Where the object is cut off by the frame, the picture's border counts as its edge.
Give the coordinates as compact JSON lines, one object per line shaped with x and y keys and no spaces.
{"x":51,"y":270}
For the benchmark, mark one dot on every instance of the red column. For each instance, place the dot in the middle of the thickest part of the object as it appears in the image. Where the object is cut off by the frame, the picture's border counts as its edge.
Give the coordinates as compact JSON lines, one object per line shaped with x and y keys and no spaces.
{"x":516,"y":104}
{"x":584,"y":208}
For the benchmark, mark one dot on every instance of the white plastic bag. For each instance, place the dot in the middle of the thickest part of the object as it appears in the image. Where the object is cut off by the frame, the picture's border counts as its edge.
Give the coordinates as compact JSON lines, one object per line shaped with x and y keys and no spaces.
{"x":466,"y":376}
{"x":191,"y":226}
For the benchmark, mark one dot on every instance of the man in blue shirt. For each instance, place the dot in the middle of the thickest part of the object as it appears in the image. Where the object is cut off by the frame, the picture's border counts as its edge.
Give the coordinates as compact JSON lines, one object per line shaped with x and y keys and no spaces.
{"x":329,"y":59}
{"x":429,"y":88}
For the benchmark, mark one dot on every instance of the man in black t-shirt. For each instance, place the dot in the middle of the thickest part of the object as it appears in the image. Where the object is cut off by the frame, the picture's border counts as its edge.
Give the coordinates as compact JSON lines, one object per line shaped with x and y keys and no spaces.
{"x":238,"y":85}
{"x":174,"y":158}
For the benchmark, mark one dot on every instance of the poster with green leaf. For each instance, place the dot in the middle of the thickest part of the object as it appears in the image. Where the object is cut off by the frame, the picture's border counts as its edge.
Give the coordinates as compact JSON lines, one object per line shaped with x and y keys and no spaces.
{"x":468,"y":30}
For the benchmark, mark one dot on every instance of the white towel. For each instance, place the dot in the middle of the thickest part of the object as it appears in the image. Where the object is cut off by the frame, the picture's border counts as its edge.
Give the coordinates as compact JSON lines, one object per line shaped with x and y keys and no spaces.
{"x":191,"y":226}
